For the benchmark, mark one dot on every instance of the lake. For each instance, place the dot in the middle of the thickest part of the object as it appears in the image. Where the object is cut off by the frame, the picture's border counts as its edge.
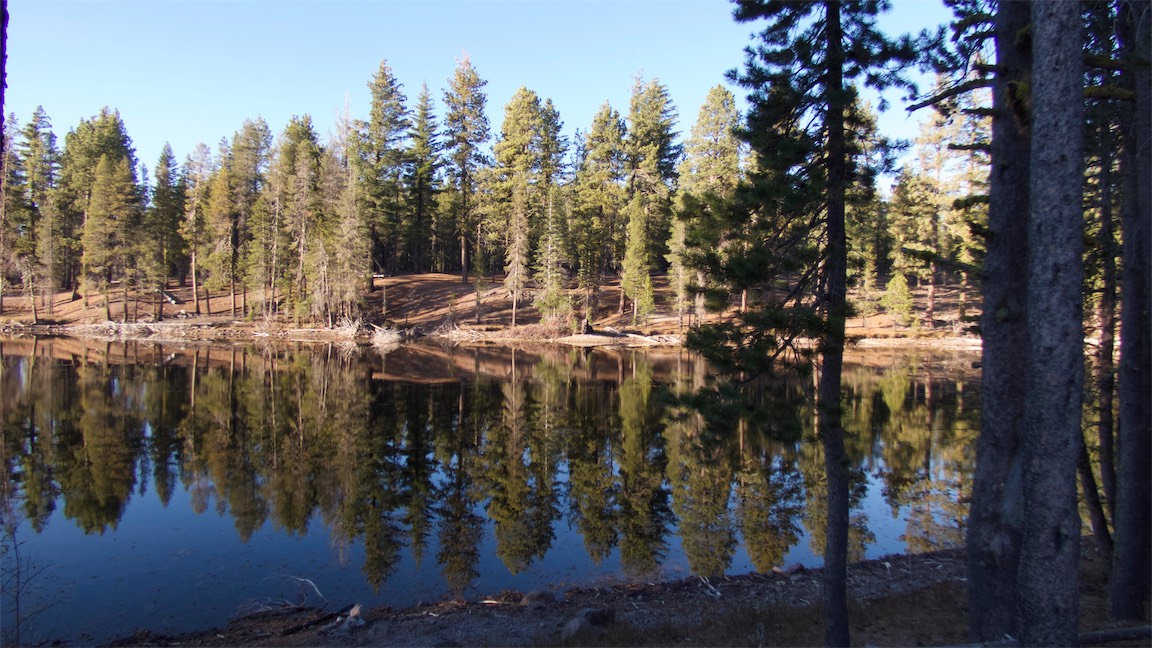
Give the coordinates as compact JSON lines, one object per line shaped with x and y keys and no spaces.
{"x":174,"y":486}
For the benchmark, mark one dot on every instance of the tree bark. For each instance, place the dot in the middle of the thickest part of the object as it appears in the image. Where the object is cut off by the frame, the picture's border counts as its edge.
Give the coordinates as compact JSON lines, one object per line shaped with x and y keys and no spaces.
{"x":1132,"y":559}
{"x":195,"y":287}
{"x":1050,"y":551}
{"x":994,"y":518}
{"x":1092,"y":502}
{"x":831,"y":430}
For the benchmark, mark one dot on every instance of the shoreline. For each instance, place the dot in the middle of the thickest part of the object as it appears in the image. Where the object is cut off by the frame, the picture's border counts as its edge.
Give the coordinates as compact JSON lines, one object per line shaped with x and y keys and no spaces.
{"x":206,"y":330}
{"x":901,"y":599}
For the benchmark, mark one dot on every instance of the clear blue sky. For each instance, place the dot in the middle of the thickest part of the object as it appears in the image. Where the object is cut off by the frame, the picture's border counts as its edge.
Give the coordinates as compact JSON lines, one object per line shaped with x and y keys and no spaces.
{"x":192,"y":71}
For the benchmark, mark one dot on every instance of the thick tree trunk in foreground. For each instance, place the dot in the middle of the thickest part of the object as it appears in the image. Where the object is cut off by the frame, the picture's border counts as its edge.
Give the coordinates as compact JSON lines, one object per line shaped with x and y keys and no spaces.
{"x":994,"y":519}
{"x":1050,"y":551}
{"x":1132,"y":558}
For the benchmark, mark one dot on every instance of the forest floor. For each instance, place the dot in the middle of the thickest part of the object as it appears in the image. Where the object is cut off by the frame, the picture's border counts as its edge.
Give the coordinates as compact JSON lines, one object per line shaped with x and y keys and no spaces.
{"x":917,"y":600}
{"x":441,"y":305}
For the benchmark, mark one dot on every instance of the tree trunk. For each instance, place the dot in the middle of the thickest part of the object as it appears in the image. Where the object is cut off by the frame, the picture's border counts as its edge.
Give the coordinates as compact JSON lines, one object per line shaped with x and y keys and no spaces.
{"x":1050,"y":551}
{"x":1129,"y":586}
{"x":1106,"y":318}
{"x":195,"y":287}
{"x":994,"y":518}
{"x":1092,"y":502}
{"x":830,"y":428}
{"x":701,"y":312}
{"x":463,"y":258}
{"x":930,"y":310}
{"x":232,"y":285}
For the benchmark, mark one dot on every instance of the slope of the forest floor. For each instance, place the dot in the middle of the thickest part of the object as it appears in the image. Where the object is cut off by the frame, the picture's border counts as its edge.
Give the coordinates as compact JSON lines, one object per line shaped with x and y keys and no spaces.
{"x":441,"y":304}
{"x":916,"y":600}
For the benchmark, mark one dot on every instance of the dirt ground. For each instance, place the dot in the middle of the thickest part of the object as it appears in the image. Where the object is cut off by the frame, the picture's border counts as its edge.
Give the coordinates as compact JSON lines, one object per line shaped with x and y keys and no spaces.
{"x":894,"y":601}
{"x":435,"y":304}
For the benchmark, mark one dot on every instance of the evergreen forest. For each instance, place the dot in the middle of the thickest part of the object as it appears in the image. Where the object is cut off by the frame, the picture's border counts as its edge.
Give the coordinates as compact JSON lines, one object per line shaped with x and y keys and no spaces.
{"x":1028,"y":189}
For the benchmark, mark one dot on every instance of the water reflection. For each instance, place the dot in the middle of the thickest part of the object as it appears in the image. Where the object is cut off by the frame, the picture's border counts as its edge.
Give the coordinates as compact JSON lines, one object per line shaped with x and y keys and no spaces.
{"x":434,"y":449}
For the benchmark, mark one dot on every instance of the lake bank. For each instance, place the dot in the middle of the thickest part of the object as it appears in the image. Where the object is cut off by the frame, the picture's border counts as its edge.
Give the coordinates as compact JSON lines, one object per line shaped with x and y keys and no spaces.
{"x":438,"y":306}
{"x":904,"y":600}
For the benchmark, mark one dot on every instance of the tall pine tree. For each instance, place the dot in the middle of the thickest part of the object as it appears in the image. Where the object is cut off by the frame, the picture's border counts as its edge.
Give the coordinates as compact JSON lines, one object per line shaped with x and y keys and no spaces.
{"x":465,"y":132}
{"x":800,"y":75}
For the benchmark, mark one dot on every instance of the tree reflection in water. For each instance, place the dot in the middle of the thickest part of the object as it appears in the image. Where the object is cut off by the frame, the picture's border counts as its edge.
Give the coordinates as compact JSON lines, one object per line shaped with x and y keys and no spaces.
{"x":435,"y":447}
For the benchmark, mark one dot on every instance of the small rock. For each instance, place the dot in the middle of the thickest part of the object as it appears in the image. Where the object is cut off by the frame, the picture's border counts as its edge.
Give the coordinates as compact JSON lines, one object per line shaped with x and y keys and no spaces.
{"x":598,"y":616}
{"x":537,"y":599}
{"x":581,"y":628}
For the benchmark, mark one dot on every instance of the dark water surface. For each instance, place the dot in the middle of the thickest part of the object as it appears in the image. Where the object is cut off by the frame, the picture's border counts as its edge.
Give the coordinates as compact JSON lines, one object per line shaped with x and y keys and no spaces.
{"x":171,"y":487}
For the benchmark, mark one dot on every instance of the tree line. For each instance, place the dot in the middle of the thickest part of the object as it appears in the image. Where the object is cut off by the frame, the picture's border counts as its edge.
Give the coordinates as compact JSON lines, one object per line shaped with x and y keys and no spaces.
{"x":295,"y":225}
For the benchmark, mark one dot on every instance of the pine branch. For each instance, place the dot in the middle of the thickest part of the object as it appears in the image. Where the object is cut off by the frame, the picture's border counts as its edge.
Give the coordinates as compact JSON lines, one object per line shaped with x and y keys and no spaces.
{"x":929,"y":256}
{"x":979,"y":146}
{"x":956,"y":90}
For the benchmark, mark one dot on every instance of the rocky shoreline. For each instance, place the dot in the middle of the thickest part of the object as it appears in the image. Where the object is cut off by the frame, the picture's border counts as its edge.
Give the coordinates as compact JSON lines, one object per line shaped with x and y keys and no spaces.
{"x":901,"y":600}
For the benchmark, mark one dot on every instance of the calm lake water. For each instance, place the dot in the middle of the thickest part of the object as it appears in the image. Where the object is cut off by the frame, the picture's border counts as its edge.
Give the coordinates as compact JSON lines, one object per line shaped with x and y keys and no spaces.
{"x":171,"y":487}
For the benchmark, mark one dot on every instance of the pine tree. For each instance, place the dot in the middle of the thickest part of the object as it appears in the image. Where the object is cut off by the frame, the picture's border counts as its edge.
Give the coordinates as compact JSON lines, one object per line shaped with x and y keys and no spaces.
{"x":162,"y":245}
{"x":349,"y":231}
{"x":103,"y":134}
{"x":552,"y":299}
{"x":636,"y":272}
{"x":465,"y":132}
{"x":866,"y":215}
{"x":299,"y":170}
{"x":13,"y":210}
{"x":1050,"y":550}
{"x":40,"y":162}
{"x":1130,"y":568}
{"x":248,"y":160}
{"x":518,"y":160}
{"x":382,"y":157}
{"x":427,"y":234}
{"x":708,"y":177}
{"x":109,"y":229}
{"x":598,"y":204}
{"x":651,"y":155}
{"x":800,"y":75}
{"x":198,"y":170}
{"x":221,"y":221}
